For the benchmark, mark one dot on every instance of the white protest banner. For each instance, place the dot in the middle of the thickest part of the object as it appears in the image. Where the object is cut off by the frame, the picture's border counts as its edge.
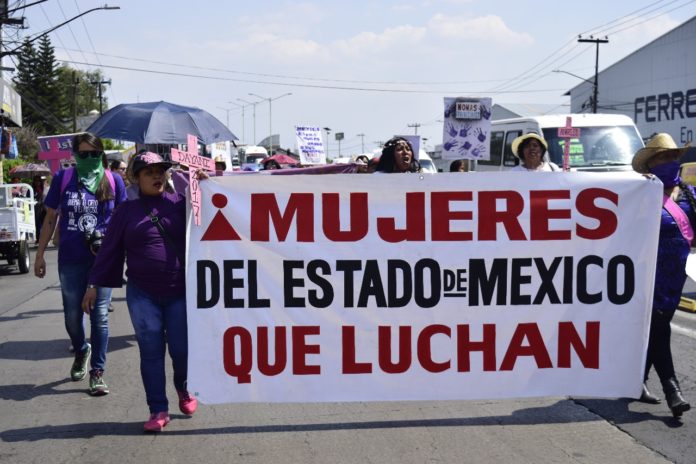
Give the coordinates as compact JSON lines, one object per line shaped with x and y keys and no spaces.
{"x":340,"y":288}
{"x":310,"y":145}
{"x":467,"y":128}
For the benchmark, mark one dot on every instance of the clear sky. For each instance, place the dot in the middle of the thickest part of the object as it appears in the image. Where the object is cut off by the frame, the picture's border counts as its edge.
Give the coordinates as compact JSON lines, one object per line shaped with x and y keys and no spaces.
{"x":358,"y":67}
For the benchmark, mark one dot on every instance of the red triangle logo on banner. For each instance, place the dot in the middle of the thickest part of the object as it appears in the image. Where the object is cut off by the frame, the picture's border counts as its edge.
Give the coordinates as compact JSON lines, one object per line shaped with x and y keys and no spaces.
{"x":220,"y":229}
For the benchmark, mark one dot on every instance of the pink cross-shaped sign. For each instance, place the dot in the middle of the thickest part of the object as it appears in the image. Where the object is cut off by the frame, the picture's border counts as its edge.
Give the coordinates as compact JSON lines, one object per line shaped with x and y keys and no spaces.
{"x":54,"y":155}
{"x":194,"y":161}
{"x":568,"y":132}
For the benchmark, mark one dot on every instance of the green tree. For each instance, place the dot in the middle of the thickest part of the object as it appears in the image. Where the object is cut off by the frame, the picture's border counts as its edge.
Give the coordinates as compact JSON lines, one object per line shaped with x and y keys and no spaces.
{"x":46,"y":84}
{"x":36,"y":81}
{"x":81,"y":95}
{"x":27,"y":143}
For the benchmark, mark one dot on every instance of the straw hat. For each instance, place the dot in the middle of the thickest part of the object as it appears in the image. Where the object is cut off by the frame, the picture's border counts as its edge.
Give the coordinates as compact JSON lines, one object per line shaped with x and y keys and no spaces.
{"x":659,"y":143}
{"x":519,"y":140}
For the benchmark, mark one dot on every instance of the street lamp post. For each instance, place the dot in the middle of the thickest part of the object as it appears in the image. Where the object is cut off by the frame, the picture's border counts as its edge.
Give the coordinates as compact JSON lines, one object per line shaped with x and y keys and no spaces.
{"x":362,"y":142}
{"x":243,"y":118}
{"x":37,"y":37}
{"x":253,"y":106}
{"x":270,"y":117}
{"x":328,"y":131}
{"x":227,"y":112}
{"x":594,"y":86}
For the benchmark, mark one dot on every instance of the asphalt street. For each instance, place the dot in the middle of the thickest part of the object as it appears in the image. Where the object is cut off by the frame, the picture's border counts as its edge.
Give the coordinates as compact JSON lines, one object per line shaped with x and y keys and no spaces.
{"x":46,"y":418}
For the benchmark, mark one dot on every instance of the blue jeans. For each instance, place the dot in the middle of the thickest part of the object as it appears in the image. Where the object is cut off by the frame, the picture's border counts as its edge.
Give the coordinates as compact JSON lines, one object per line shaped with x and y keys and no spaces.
{"x":73,"y":283}
{"x":159,"y":321}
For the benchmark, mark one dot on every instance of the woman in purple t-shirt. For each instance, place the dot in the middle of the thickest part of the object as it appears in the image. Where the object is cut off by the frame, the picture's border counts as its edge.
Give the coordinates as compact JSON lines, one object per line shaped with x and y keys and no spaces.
{"x":149,"y":232}
{"x":84,"y":197}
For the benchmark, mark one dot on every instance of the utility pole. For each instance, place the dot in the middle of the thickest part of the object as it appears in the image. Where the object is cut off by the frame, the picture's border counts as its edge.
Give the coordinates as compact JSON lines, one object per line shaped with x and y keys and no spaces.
{"x":596,"y":69}
{"x":75,"y":81}
{"x":99,"y":90}
{"x":415,"y":125}
{"x":362,"y":142}
{"x":5,"y":19}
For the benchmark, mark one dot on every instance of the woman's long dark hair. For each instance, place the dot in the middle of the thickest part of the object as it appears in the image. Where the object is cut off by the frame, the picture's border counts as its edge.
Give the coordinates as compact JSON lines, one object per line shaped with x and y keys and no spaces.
{"x":688,"y":194}
{"x":386,"y":161}
{"x":104,"y":191}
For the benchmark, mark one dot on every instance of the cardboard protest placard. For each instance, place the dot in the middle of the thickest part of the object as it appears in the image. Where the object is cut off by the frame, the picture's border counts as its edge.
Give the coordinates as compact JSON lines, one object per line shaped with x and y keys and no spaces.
{"x":466,"y":128}
{"x":310,"y":145}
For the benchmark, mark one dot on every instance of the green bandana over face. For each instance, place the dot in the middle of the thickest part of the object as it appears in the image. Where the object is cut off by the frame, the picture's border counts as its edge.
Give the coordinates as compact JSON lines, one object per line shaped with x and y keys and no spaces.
{"x":90,"y":172}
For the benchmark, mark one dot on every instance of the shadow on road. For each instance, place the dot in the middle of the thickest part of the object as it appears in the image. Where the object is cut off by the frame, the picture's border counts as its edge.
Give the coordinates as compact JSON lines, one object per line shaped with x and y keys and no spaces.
{"x":42,"y":350}
{"x":30,"y":314}
{"x":25,"y":392}
{"x":560,"y":413}
{"x":618,"y":412}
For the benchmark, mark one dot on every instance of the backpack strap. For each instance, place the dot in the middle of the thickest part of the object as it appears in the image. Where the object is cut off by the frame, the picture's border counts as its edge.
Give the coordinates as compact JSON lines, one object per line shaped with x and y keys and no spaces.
{"x":112,"y":182}
{"x":67,"y":177}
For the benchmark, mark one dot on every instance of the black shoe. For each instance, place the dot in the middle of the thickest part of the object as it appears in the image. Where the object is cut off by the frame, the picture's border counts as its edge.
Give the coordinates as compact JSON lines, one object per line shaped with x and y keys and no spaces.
{"x":647,"y":397}
{"x":676,"y":402}
{"x":111,"y":307}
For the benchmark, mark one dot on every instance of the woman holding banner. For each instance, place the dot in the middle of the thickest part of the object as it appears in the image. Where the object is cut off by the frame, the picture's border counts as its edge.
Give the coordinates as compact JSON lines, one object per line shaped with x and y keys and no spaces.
{"x":660,"y":157}
{"x":530,"y":149}
{"x":149,"y":231}
{"x":397,"y":157}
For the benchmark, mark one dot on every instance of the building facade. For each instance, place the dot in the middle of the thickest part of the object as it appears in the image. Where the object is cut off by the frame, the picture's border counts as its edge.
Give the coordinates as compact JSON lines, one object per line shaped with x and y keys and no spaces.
{"x":655,"y":86}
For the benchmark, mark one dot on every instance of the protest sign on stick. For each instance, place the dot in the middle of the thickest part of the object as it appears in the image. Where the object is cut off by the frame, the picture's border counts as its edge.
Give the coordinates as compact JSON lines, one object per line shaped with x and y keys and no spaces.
{"x":54,"y":155}
{"x":466,"y":128}
{"x":310,"y":145}
{"x":194,"y":161}
{"x":568,"y":132}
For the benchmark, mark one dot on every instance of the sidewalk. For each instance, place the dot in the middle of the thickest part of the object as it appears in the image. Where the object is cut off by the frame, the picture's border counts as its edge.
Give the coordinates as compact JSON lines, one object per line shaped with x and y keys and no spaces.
{"x":46,"y":418}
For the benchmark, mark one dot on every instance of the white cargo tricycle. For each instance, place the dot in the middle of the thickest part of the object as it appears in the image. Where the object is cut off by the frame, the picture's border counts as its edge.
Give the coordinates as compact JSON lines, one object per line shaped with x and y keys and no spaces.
{"x":17,"y":226}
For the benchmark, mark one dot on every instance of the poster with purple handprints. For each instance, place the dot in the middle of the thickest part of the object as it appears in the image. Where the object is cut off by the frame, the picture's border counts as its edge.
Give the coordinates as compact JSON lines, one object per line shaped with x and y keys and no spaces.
{"x":466,"y":128}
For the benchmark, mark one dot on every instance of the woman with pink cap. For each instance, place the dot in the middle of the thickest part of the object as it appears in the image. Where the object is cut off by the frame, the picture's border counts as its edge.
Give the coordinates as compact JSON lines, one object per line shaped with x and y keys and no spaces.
{"x":149,"y":232}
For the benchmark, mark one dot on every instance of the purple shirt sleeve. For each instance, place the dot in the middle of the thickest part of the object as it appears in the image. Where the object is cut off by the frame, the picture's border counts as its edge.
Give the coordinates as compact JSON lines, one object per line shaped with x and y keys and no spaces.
{"x":107,"y":270}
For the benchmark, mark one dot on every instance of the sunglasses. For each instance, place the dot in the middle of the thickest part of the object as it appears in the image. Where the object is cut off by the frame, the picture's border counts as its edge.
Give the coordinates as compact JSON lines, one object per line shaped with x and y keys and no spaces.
{"x":88,"y":154}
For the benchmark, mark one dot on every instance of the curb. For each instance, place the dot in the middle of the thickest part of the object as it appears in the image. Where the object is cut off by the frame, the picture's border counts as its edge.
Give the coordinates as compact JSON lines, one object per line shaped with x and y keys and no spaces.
{"x":687,"y":304}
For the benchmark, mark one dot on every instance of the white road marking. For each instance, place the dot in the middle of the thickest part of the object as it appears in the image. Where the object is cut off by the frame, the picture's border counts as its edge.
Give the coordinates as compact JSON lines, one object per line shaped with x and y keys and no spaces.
{"x":683,"y":330}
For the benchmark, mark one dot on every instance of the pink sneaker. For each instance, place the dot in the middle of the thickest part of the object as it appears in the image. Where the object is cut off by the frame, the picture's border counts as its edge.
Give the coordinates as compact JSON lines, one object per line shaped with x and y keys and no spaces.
{"x":187,"y":403}
{"x":157,"y":422}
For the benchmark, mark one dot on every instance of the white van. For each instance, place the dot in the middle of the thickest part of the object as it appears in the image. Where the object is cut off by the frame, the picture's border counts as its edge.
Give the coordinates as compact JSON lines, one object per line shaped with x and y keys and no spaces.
{"x":253,"y":154}
{"x":607,"y":142}
{"x":426,"y":162}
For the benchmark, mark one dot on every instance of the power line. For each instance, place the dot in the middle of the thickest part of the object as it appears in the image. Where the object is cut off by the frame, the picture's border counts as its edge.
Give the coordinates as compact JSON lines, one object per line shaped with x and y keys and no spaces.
{"x":94,"y":50}
{"x":286,"y":84}
{"x":27,"y":96}
{"x":653,"y":17}
{"x":71,"y":31}
{"x":628,"y":19}
{"x":594,"y":30}
{"x":48,"y":20}
{"x":523,"y":79}
{"x":285,"y":76}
